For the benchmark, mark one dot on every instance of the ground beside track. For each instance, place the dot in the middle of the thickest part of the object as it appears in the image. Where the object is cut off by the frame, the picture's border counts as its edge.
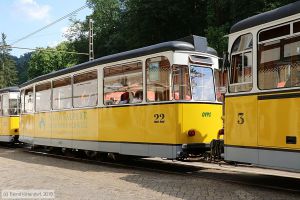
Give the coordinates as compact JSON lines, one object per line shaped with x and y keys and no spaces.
{"x":80,"y":180}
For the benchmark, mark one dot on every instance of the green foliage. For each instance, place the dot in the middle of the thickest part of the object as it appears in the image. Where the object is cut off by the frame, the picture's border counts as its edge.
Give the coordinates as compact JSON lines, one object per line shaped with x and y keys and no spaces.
{"x":121,"y":25}
{"x":48,"y":60}
{"x":8,"y":72}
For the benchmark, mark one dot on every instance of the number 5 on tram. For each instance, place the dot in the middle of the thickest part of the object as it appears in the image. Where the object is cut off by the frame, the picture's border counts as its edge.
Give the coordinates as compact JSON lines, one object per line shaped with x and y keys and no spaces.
{"x":262,"y":110}
{"x":154,"y":101}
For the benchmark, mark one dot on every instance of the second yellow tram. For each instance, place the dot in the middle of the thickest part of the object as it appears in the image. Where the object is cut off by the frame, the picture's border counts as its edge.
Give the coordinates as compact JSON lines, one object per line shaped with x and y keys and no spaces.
{"x":262,"y":105}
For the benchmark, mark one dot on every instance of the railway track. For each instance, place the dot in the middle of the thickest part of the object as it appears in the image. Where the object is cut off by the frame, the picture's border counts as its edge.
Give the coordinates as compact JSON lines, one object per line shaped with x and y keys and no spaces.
{"x":178,"y":168}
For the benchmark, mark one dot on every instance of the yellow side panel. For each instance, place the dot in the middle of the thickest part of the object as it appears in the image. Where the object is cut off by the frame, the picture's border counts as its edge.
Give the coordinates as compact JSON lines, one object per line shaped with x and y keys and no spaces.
{"x":43,"y":125}
{"x":279,"y":118}
{"x":150,"y":124}
{"x":5,"y":126}
{"x":27,"y":125}
{"x":241,"y":120}
{"x":85,"y":124}
{"x":122,"y":124}
{"x":205,"y":119}
{"x":162,"y":123}
{"x":14,"y":125}
{"x":62,"y":124}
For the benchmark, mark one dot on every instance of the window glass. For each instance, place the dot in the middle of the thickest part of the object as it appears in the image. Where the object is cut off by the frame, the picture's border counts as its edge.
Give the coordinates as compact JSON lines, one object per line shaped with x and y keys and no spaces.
{"x":220,"y":84}
{"x":123,"y":84}
{"x":296,"y":27}
{"x":5,"y":104}
{"x":181,"y":83}
{"x":62,"y":94}
{"x":43,"y":97}
{"x":85,"y":90}
{"x":202,"y":83}
{"x":159,"y":76}
{"x":14,"y":103}
{"x":241,"y":64}
{"x":28,"y":100}
{"x":274,"y":33}
{"x":279,"y":64}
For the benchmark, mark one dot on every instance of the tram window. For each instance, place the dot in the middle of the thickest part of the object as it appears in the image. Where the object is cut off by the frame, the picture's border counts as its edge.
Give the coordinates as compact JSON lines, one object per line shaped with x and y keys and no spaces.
{"x":279,"y":64}
{"x":28,"y":100}
{"x":14,"y":103}
{"x":296,"y":27}
{"x":241,"y":64}
{"x":181,"y":83}
{"x":43,"y":97}
{"x":62,"y":94}
{"x":123,"y":84}
{"x":220,"y":84}
{"x":158,"y":72}
{"x":5,"y":104}
{"x":85,"y":90}
{"x":274,"y":33}
{"x":202,"y":83}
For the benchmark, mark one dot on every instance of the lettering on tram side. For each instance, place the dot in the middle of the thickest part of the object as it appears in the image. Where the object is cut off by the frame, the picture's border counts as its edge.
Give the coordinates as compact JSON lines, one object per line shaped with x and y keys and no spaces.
{"x":76,"y":120}
{"x":159,"y":118}
{"x":241,"y":119}
{"x":206,"y":114}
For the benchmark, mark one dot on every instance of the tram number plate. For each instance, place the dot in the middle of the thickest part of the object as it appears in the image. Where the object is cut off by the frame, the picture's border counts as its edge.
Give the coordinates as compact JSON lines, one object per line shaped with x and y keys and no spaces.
{"x":159,"y":118}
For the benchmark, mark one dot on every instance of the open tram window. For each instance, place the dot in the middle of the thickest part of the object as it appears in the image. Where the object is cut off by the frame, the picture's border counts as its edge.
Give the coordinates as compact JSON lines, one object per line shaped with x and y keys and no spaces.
{"x":85,"y":89}
{"x":159,"y":76}
{"x":279,"y":63}
{"x":62,"y":94}
{"x":181,"y":83}
{"x":43,"y":97}
{"x":28,"y":100}
{"x":123,"y":84}
{"x":241,"y":64}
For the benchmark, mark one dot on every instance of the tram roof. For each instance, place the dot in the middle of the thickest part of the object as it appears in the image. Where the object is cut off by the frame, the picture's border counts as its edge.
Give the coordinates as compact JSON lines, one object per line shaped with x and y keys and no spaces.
{"x":281,"y":12}
{"x":161,"y":47}
{"x":10,"y":89}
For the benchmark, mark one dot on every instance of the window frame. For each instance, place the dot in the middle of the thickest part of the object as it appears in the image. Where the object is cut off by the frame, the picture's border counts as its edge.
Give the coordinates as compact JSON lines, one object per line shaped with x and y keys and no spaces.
{"x":97,"y":89}
{"x":52,"y":92}
{"x":171,"y":97}
{"x":279,"y":45}
{"x":120,"y":65}
{"x":208,"y":66}
{"x":243,"y":52}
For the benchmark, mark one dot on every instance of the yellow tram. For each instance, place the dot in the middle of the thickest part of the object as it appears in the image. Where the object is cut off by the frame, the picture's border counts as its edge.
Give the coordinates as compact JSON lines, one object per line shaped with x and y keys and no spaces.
{"x":159,"y":100}
{"x":9,"y":114}
{"x":262,"y":105}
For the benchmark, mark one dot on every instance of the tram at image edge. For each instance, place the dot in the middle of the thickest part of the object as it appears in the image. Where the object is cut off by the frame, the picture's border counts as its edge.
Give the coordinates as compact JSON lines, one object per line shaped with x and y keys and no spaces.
{"x":159,"y":100}
{"x":9,"y":114}
{"x":262,"y":105}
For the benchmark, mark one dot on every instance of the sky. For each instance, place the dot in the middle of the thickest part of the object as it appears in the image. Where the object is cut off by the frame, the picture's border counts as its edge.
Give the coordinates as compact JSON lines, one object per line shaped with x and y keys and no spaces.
{"x":19,"y":18}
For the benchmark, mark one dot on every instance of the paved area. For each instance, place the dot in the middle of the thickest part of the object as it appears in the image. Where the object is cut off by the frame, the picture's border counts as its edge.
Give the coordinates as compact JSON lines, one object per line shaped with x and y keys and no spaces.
{"x":79,"y":180}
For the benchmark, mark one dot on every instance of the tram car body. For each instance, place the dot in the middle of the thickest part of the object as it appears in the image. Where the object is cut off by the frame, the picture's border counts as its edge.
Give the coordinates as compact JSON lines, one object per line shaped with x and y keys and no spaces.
{"x":262,"y":105}
{"x":9,"y":114}
{"x":158,"y":100}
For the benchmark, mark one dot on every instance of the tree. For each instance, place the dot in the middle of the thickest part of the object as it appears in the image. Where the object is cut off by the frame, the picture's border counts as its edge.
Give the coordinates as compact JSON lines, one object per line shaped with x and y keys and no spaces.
{"x":8,"y":72}
{"x":47,"y":60}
